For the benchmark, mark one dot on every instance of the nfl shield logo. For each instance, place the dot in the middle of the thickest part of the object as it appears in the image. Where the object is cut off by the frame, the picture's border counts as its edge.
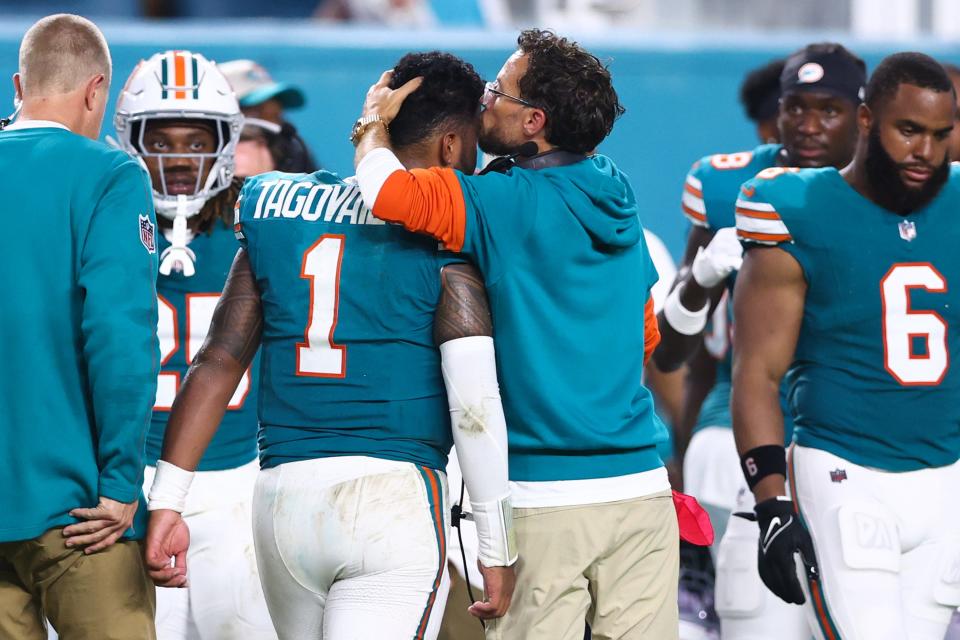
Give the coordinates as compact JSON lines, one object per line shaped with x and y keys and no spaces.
{"x":147,"y":234}
{"x":838,"y":475}
{"x":908,"y":230}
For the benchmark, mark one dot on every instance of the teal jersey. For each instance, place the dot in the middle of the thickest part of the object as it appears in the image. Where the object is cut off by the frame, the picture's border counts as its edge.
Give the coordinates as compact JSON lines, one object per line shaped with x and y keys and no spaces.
{"x":711,"y":188}
{"x":568,"y":275}
{"x":348,"y":364}
{"x":79,"y":356}
{"x":709,"y":200}
{"x":185,"y":306}
{"x":873,"y":379}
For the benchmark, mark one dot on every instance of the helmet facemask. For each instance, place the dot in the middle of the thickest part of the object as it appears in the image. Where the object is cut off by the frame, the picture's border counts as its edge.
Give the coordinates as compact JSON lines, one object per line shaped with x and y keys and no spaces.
{"x":180,"y":87}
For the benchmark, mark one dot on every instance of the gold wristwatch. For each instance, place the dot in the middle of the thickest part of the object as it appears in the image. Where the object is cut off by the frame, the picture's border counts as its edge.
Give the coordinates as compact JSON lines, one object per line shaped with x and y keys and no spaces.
{"x":362,"y":124}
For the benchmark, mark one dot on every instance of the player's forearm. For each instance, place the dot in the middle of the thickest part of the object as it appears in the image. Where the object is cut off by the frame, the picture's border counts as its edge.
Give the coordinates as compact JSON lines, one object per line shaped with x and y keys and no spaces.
{"x":376,"y":137}
{"x":480,"y":435}
{"x":683,"y":321}
{"x":199,"y":407}
{"x":758,"y":420}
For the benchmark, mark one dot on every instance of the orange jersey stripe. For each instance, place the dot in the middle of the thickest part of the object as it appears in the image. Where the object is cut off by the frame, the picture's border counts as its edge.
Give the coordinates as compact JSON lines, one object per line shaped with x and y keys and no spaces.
{"x":820,"y":610}
{"x":179,"y":74}
{"x":435,"y":498}
{"x":762,"y":215}
{"x":651,"y":331}
{"x":426,"y":201}
{"x":694,"y":214}
{"x":765,"y":237}
{"x":692,"y":190}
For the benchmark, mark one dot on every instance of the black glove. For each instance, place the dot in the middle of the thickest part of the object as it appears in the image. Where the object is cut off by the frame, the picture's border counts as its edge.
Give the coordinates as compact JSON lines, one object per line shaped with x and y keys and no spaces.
{"x":782,"y":535}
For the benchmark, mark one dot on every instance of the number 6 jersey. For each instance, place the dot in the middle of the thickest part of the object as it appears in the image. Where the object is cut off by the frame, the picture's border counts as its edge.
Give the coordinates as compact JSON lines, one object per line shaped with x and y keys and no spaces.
{"x":348,"y":364}
{"x":874,"y":378}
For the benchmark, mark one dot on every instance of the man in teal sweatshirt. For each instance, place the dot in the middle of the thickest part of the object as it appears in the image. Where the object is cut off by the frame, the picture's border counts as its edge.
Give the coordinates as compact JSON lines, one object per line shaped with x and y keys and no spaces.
{"x":560,"y":245}
{"x":79,"y":355}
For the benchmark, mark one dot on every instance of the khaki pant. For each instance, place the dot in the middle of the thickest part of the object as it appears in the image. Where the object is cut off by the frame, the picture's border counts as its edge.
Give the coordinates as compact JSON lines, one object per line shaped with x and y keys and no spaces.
{"x":458,"y":624}
{"x":103,"y":596}
{"x":614,"y":565}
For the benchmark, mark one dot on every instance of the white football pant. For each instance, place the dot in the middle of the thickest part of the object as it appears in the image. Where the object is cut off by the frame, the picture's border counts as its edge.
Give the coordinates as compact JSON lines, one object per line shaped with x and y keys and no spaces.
{"x":746,"y":608}
{"x":224,"y":599}
{"x":887,"y":544}
{"x":353,"y":548}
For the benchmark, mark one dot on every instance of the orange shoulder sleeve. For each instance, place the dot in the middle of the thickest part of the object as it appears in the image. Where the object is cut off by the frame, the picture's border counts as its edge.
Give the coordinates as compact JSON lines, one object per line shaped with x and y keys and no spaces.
{"x":651,"y":331}
{"x":426,"y":201}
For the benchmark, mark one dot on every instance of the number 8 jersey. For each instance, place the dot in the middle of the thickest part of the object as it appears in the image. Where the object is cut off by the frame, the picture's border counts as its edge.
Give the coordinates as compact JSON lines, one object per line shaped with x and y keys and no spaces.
{"x":874,"y":378}
{"x":348,"y":364}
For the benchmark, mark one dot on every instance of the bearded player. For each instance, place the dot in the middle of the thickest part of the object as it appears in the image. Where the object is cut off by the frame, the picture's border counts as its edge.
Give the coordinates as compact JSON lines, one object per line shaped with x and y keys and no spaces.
{"x":820,"y":86}
{"x":350,"y":511}
{"x":178,"y":115}
{"x":849,"y":288}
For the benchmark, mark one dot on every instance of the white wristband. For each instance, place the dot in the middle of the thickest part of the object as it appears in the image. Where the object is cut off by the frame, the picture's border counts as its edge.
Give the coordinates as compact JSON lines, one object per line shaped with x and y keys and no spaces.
{"x":169,"y":488}
{"x":494,"y":520}
{"x":684,"y":321}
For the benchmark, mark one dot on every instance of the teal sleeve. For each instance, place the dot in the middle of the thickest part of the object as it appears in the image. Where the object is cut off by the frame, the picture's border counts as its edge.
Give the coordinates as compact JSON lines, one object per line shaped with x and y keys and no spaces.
{"x":500,"y":213}
{"x":239,"y":215}
{"x":651,"y":275}
{"x":117,"y":274}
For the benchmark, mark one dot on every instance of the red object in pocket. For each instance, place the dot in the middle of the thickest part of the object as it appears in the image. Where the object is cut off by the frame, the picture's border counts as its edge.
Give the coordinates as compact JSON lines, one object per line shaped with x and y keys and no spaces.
{"x":695,"y":526}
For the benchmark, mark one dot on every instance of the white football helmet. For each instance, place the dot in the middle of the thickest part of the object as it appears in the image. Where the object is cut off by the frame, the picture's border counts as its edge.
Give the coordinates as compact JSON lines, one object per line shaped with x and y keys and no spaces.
{"x":181,"y":85}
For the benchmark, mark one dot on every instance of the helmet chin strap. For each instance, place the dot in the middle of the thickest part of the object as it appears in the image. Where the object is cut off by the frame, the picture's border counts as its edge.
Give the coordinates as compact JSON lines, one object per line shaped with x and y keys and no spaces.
{"x":178,"y":257}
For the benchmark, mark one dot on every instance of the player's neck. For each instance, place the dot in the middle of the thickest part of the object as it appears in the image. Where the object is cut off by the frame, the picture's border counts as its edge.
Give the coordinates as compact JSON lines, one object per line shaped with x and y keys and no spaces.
{"x":62,"y":109}
{"x":856,"y":176}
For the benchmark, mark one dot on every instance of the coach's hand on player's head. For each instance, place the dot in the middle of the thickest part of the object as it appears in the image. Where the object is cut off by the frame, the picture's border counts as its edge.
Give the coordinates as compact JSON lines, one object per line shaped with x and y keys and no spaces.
{"x":167,"y":537}
{"x":498,"y":583}
{"x":102,"y":525}
{"x":386,"y":102}
{"x":781,"y":536}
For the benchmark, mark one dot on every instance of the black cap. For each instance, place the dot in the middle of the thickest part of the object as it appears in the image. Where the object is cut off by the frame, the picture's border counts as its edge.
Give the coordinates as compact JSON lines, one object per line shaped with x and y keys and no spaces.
{"x":836,"y":72}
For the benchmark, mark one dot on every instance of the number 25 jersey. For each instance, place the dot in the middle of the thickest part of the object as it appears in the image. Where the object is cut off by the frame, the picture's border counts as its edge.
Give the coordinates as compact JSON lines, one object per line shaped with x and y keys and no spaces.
{"x":874,"y":377}
{"x":348,"y":364}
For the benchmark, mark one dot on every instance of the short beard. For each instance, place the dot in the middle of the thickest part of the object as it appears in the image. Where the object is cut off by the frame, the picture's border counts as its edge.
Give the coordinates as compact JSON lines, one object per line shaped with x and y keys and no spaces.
{"x":493,"y":145}
{"x":887,"y":186}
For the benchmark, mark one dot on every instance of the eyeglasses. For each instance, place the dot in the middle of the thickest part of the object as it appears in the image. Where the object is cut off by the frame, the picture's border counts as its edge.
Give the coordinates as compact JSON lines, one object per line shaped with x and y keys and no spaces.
{"x":491,"y":87}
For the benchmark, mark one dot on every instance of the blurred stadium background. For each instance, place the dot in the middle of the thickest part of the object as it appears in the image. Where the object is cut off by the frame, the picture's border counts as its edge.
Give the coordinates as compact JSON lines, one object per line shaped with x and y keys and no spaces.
{"x":677,"y":64}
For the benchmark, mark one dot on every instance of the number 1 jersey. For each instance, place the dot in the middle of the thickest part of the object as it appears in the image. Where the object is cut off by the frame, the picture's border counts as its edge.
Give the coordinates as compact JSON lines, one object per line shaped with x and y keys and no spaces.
{"x":348,"y":364}
{"x":874,"y":378}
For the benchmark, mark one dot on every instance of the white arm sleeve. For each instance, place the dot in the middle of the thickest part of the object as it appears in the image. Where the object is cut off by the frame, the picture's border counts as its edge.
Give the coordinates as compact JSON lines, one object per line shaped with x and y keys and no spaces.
{"x":480,"y":434}
{"x":373,"y":171}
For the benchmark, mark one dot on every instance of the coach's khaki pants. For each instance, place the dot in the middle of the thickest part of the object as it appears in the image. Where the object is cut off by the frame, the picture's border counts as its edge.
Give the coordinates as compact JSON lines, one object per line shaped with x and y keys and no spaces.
{"x":614,"y":565}
{"x":104,"y":596}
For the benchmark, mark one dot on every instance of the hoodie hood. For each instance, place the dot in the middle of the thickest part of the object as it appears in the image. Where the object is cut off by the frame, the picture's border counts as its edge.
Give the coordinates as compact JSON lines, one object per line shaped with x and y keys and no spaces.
{"x":600,"y":197}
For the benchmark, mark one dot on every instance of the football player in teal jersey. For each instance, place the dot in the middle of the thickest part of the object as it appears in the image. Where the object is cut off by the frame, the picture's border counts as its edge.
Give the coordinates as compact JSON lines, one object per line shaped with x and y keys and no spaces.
{"x":847,"y":290}
{"x":179,"y":117}
{"x":350,"y":510}
{"x":820,"y":87}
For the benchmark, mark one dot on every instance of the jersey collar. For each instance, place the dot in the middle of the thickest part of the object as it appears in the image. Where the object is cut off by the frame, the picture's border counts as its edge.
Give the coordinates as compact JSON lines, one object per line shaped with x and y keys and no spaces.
{"x":35,"y":124}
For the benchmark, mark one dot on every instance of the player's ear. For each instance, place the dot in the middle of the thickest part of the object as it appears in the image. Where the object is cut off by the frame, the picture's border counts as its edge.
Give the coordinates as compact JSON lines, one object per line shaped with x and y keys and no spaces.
{"x":95,"y":90}
{"x":534,"y":122}
{"x":17,"y":87}
{"x":450,"y":148}
{"x":864,"y":118}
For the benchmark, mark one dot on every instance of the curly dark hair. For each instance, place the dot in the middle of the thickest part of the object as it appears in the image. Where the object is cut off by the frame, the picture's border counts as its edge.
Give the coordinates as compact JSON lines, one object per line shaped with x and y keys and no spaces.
{"x":760,"y":91}
{"x":450,"y":92}
{"x":573,"y":88}
{"x":908,"y":67}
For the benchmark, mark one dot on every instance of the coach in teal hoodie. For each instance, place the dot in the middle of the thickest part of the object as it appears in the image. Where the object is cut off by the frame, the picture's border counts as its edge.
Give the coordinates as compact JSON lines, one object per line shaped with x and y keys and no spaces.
{"x":79,"y":354}
{"x":560,"y":244}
